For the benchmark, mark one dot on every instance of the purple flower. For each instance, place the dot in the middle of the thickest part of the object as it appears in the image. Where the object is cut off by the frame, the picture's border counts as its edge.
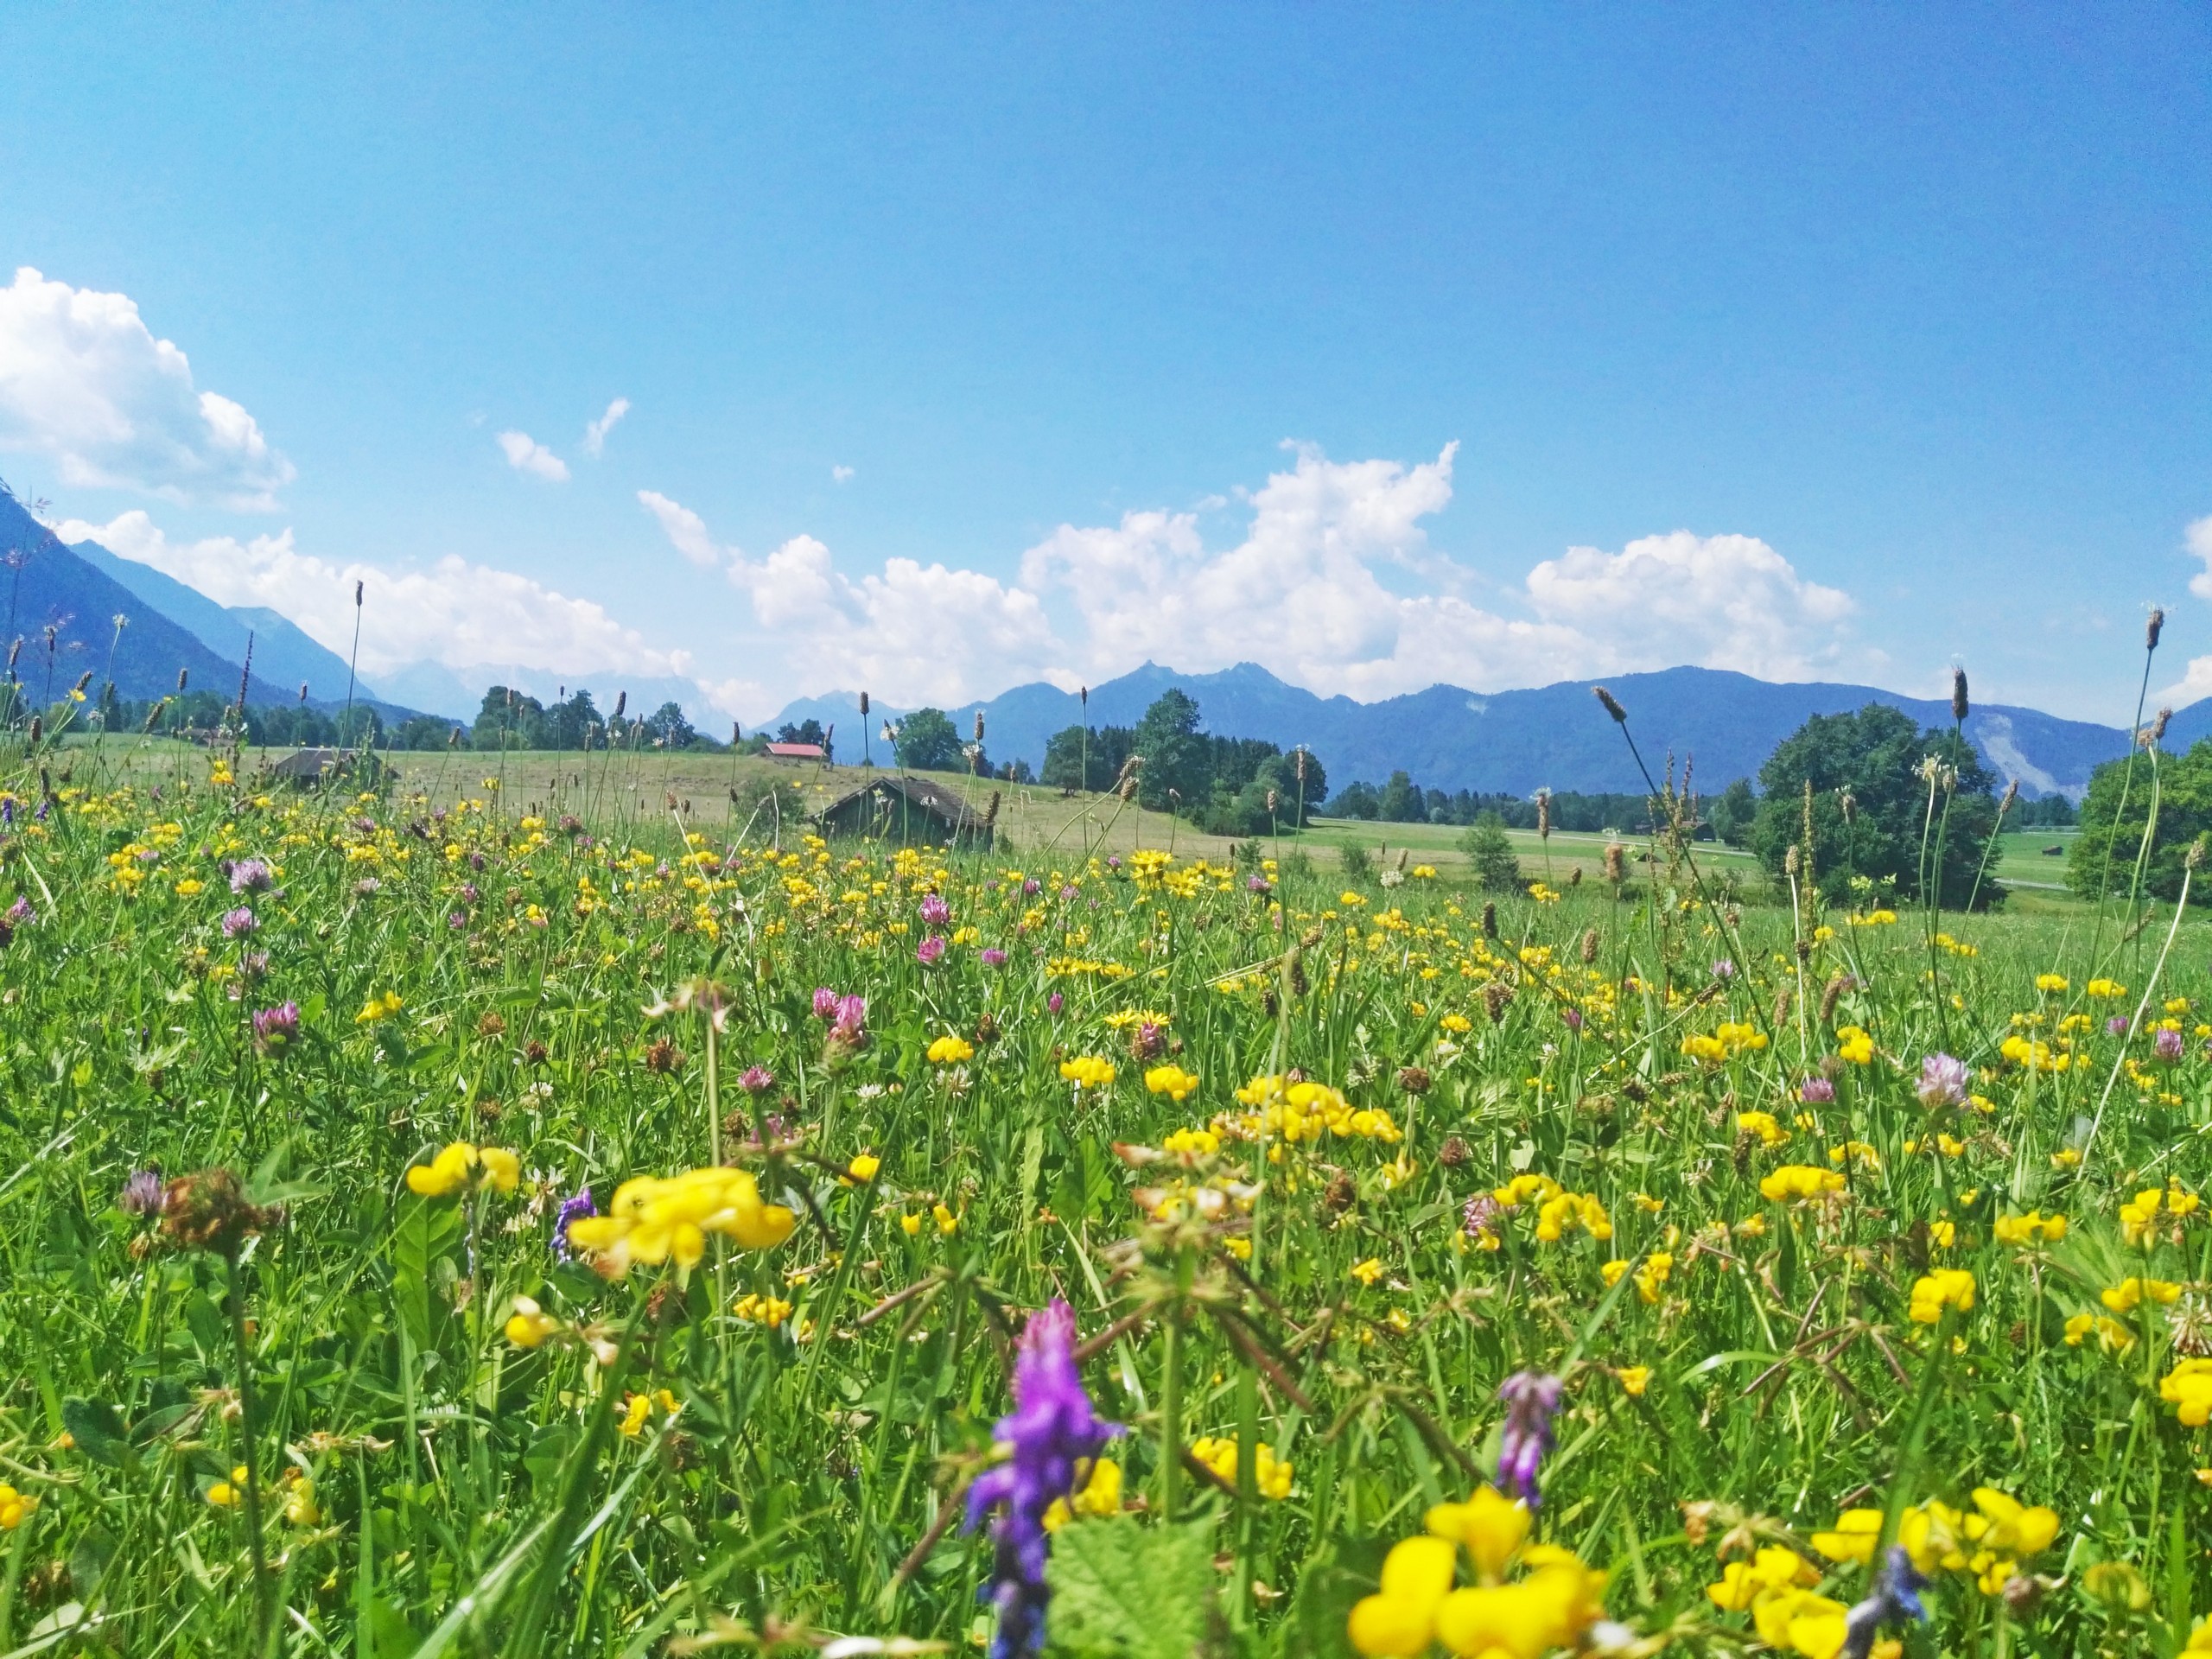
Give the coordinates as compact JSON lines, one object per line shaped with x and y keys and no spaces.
{"x":1032,"y":886}
{"x":756,"y":1080}
{"x":825,"y":1002}
{"x":1479,"y":1218}
{"x":993,"y":956}
{"x":930,"y":950}
{"x":573,"y":1209}
{"x":1257,"y":884}
{"x":1069,"y":891}
{"x":851,"y":1014}
{"x":1530,"y":1399}
{"x":2168,"y":1043}
{"x":1944,"y":1081}
{"x":275,"y":1029}
{"x":143,"y":1194}
{"x":250,"y":875}
{"x":1055,"y":1003}
{"x":935,"y":911}
{"x":1724,"y":969}
{"x":1893,"y":1598}
{"x":1816,"y":1091}
{"x":1574,"y":1017}
{"x":1112,"y":861}
{"x":366,"y":886}
{"x":20,"y":914}
{"x":237,"y":924}
{"x":2117,"y":1024}
{"x":468,"y":893}
{"x":456,"y":920}
{"x":253,"y":964}
{"x":1051,"y":1429}
{"x":1150,"y":1041}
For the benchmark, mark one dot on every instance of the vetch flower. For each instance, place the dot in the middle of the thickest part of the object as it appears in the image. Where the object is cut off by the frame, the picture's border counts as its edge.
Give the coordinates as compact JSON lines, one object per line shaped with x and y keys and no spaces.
{"x":1531,"y":1398}
{"x":572,"y":1210}
{"x":1051,"y":1430}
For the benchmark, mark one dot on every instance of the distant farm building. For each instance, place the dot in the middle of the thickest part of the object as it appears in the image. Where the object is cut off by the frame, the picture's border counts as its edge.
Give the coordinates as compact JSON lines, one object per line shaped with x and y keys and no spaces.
{"x":309,"y":765}
{"x":795,"y":752}
{"x":911,"y":811}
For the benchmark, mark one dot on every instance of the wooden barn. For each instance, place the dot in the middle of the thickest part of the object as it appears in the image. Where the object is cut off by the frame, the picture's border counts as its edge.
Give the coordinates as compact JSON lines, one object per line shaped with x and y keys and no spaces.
{"x":911,"y":812}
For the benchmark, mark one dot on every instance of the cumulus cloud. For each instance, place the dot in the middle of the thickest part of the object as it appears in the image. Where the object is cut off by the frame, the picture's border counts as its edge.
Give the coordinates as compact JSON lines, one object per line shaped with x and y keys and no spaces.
{"x":2198,"y":539}
{"x":525,"y":455}
{"x":454,"y":612}
{"x":1333,"y":585}
{"x":915,"y":632}
{"x":595,"y":433}
{"x":1719,"y":601}
{"x":84,"y":381}
{"x":839,"y":475}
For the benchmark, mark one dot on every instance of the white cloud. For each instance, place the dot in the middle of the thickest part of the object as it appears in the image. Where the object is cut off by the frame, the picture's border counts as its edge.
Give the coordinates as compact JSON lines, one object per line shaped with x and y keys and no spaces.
{"x":525,"y":455}
{"x":1719,"y":601}
{"x":84,"y":381}
{"x":1334,"y":587}
{"x":685,"y":529}
{"x":453,"y":611}
{"x":595,"y":433}
{"x":2198,"y":539}
{"x":839,"y":475}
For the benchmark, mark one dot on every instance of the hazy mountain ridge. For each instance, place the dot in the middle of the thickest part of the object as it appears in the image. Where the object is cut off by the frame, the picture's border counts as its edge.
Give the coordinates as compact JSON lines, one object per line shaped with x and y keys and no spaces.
{"x":1724,"y":723}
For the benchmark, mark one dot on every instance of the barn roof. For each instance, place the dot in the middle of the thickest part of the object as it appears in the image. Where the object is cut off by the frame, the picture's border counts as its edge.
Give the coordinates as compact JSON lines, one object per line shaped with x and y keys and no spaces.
{"x":930,"y":797}
{"x":308,"y":763}
{"x":795,"y":751}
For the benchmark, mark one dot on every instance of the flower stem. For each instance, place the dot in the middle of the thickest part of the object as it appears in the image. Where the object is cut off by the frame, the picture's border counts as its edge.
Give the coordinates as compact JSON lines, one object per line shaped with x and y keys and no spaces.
{"x":254,"y":1541}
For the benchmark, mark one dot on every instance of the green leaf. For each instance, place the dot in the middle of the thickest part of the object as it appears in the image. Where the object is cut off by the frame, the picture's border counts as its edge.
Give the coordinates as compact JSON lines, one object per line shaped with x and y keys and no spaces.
{"x":1121,"y":1590}
{"x":427,"y":1230}
{"x":97,"y":1427}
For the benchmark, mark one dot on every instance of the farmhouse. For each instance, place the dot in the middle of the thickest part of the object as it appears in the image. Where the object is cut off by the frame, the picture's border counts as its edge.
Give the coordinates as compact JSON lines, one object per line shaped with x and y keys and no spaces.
{"x":309,"y":765}
{"x":795,"y":752}
{"x":911,"y":811}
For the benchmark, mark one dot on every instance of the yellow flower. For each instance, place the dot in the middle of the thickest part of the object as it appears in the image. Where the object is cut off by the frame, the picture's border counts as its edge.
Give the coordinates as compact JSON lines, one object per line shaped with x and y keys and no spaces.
{"x":2104,"y":988}
{"x":379,"y":1007}
{"x":633,"y":1415}
{"x":1458,"y":1024}
{"x":652,"y":1220}
{"x":1762,"y":1124}
{"x":1099,"y":1495}
{"x":1399,"y":1621}
{"x":1651,"y":1277}
{"x":1087,"y":1071}
{"x":1367,"y":1272}
{"x":2112,"y":1336}
{"x":1634,"y":1379}
{"x":529,"y":1325}
{"x":450,"y":1171}
{"x":2188,"y":1386}
{"x":950,"y":1050}
{"x":947,"y":1222}
{"x":300,"y":1508}
{"x":1853,"y":1538}
{"x":913,"y":1224}
{"x":1945,"y":1287}
{"x":1612,"y":1270}
{"x":1942,"y":1234}
{"x":2008,"y":1527}
{"x":864,"y":1166}
{"x":2131,"y":1293}
{"x":770,"y":1311}
{"x":229,"y":1494}
{"x":1743,"y":1583}
{"x":1799,"y":1183}
{"x":1172,"y":1081}
{"x":1271,"y":1476}
{"x":2050,"y":981}
{"x":1854,"y":1045}
{"x":189,"y":887}
{"x":16,"y":1507}
{"x":2024,"y":1231}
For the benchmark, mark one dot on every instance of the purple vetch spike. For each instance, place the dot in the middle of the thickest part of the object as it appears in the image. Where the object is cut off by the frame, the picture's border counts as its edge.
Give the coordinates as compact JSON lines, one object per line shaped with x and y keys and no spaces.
{"x":1531,"y":1398}
{"x":1051,"y":1429}
{"x":573,"y":1209}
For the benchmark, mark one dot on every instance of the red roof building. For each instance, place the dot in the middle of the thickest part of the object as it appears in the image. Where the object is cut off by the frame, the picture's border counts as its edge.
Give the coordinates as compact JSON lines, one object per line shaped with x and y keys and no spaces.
{"x":795,"y":751}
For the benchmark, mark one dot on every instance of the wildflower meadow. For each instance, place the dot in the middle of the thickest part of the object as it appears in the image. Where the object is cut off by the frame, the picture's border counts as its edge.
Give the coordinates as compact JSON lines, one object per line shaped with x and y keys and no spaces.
{"x":445,"y":1227}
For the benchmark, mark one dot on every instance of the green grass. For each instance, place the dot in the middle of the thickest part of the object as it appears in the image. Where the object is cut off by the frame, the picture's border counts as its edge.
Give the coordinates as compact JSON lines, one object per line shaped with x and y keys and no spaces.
{"x":425,"y":1486}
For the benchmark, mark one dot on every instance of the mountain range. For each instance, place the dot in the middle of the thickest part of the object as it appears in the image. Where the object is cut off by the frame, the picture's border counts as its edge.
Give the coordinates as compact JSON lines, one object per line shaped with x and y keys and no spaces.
{"x":1445,"y":737}
{"x":1553,"y":736}
{"x":80,"y":593}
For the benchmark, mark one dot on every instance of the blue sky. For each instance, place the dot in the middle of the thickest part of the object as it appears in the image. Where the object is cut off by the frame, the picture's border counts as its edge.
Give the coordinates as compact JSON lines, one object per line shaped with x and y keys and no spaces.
{"x":1902,"y":315}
